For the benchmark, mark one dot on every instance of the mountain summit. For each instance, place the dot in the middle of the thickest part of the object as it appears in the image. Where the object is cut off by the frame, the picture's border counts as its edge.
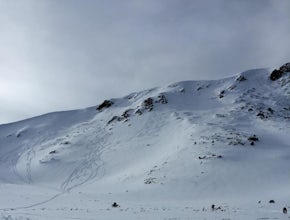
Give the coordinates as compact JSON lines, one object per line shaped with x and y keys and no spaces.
{"x":167,"y":152}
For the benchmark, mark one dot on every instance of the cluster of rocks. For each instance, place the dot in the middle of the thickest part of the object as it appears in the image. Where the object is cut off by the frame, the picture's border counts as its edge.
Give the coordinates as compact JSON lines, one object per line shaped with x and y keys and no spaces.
{"x":147,"y":104}
{"x":241,"y":78}
{"x":215,"y":208}
{"x":265,"y":114}
{"x":222,"y":94}
{"x":261,"y":110}
{"x":162,"y":99}
{"x":209,"y":156}
{"x":124,"y":116}
{"x":277,"y":74}
{"x":150,"y":180}
{"x":233,"y":138}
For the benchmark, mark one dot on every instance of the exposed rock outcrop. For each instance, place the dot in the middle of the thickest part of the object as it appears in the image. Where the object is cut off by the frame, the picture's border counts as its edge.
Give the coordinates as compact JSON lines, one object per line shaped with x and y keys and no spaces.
{"x":148,"y":104}
{"x":277,"y":74}
{"x":241,"y":78}
{"x":104,"y":105}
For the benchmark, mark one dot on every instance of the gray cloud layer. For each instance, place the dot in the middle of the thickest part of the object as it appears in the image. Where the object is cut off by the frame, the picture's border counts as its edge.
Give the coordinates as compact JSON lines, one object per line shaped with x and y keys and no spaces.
{"x":58,"y":55}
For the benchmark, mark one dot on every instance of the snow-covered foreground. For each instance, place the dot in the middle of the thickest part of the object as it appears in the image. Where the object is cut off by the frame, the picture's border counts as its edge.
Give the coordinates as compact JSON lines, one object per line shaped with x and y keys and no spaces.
{"x":164,"y":153}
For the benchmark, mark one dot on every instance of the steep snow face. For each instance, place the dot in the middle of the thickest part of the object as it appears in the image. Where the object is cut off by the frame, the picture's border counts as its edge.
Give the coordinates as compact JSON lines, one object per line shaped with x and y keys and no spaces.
{"x":224,"y":140}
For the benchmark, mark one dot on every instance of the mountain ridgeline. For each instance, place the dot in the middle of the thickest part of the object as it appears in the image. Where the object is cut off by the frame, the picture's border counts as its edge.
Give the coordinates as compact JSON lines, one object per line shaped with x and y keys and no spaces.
{"x":191,"y":140}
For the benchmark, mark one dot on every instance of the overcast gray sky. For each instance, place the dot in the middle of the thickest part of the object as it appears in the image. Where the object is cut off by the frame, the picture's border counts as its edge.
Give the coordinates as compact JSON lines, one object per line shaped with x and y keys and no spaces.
{"x":68,"y":54}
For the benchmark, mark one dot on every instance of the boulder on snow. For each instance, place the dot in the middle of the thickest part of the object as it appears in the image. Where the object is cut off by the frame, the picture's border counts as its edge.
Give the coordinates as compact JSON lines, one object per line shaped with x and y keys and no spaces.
{"x":115,"y":205}
{"x":285,"y":68}
{"x":253,"y":138}
{"x":261,"y":115}
{"x":270,"y":110}
{"x":277,"y":74}
{"x":105,"y":104}
{"x":272,"y":201}
{"x":53,"y":152}
{"x":222,"y":94}
{"x":241,"y":78}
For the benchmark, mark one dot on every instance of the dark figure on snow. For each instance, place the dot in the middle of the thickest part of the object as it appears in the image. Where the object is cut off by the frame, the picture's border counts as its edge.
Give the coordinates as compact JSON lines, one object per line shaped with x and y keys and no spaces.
{"x":285,"y":210}
{"x":115,"y":205}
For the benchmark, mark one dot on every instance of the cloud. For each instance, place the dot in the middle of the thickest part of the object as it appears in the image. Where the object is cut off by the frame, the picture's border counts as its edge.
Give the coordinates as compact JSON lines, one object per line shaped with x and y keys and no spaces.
{"x":72,"y":54}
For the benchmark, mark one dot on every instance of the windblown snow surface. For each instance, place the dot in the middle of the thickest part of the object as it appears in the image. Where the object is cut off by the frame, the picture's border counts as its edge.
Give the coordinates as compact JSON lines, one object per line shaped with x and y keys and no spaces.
{"x":167,"y":153}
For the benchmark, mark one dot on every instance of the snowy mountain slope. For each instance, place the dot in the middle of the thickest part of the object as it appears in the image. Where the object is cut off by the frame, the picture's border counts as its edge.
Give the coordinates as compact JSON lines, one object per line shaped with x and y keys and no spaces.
{"x":195,"y":142}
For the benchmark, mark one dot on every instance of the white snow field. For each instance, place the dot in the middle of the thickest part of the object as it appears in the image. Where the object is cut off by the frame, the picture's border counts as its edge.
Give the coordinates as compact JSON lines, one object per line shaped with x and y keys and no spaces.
{"x":167,"y":153}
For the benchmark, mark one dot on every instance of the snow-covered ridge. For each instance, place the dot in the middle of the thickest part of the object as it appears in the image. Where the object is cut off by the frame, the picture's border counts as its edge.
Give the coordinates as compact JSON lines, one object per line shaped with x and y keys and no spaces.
{"x":200,"y":141}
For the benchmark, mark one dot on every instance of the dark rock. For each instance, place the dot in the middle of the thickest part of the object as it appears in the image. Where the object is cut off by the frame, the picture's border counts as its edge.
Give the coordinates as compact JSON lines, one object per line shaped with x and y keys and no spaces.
{"x":124,"y":117}
{"x":150,"y":180}
{"x":126,"y":113}
{"x":272,"y":201}
{"x":104,"y":105}
{"x":115,"y":205}
{"x":148,"y":104}
{"x":285,"y":68}
{"x":53,"y":152}
{"x":276,"y":74}
{"x":241,"y":78}
{"x":222,"y":93}
{"x":112,"y":119}
{"x":253,"y":138}
{"x":271,"y":110}
{"x":261,"y":114}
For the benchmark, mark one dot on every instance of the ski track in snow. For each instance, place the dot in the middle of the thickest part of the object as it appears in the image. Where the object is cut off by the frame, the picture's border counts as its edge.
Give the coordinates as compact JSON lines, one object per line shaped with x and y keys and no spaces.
{"x":92,"y":163}
{"x":171,"y":162}
{"x":86,"y":171}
